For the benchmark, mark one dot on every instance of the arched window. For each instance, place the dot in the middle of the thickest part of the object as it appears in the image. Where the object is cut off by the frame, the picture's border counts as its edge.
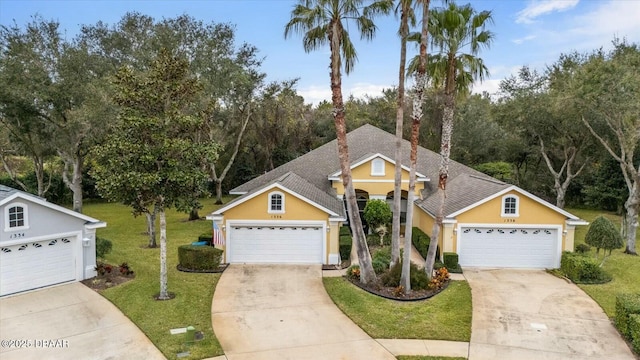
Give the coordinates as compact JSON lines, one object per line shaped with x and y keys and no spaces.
{"x":276,"y":202}
{"x":510,"y":206}
{"x":16,"y":215}
{"x":377,"y":167}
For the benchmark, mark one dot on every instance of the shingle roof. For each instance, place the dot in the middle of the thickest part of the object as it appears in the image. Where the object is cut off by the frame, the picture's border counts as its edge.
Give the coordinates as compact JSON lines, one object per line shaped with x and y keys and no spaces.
{"x":463,"y":191}
{"x":6,"y":191}
{"x":316,"y":165}
{"x":302,"y":187}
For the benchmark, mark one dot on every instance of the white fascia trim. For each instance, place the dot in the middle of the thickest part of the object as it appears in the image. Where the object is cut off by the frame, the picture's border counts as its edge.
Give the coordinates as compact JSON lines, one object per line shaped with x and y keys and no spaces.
{"x":572,"y":222}
{"x":449,"y":221}
{"x":336,"y":175}
{"x":214,"y":217}
{"x":265,"y":189}
{"x":336,"y":219}
{"x":45,"y":203}
{"x":519,"y":190}
{"x":98,"y":225}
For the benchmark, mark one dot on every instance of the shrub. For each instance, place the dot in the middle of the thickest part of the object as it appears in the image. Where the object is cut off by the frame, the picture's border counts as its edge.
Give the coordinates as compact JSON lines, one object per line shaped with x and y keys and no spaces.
{"x":421,"y":241}
{"x":103,"y":247}
{"x":417,"y":277}
{"x":440,"y":279}
{"x":602,"y":234}
{"x":582,"y":269}
{"x":353,"y":272}
{"x":377,"y":212}
{"x":207,"y":237}
{"x":450,"y":260}
{"x":345,"y":247}
{"x":103,"y":269}
{"x":381,"y":260}
{"x":626,"y":305}
{"x":125,"y":269}
{"x":634,"y":330}
{"x":582,"y":248}
{"x":199,"y":257}
{"x":345,"y":230}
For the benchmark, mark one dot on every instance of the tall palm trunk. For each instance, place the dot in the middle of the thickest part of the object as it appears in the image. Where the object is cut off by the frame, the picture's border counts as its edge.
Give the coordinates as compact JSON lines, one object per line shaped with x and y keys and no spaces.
{"x":397,"y":190}
{"x":367,"y":275}
{"x":416,"y":117}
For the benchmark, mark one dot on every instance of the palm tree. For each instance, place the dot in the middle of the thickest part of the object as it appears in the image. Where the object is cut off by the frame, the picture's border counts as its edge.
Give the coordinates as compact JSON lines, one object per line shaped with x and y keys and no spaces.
{"x":321,"y":22}
{"x":454,"y":30}
{"x":407,"y":17}
{"x":420,"y":82}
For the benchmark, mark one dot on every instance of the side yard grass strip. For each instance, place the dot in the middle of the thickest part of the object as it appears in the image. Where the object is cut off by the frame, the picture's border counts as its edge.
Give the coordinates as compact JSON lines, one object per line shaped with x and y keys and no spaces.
{"x":194,"y":291}
{"x":446,"y":316}
{"x":625,"y":269}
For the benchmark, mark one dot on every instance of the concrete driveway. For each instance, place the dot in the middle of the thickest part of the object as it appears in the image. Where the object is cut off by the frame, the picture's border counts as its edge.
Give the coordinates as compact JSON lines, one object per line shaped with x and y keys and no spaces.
{"x":529,"y":314}
{"x":69,"y":322}
{"x":283,"y":312}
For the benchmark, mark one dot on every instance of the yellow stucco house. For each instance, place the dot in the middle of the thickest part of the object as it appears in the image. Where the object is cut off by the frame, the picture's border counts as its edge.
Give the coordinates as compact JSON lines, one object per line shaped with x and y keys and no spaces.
{"x":293,"y":213}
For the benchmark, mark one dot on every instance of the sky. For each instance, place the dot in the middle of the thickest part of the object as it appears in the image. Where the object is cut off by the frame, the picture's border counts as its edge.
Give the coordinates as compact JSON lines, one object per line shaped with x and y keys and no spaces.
{"x":527,"y":32}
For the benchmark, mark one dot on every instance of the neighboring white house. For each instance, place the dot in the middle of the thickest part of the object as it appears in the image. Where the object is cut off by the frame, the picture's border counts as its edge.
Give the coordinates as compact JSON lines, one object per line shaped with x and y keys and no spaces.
{"x":43,"y":244}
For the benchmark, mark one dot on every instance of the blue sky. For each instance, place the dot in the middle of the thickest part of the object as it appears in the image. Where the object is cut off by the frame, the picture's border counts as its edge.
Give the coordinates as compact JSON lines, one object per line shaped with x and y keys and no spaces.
{"x":527,"y":32}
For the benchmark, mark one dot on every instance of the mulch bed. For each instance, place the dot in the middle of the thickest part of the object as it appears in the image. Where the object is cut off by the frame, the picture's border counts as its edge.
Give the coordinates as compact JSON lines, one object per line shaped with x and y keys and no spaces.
{"x":221,"y":268}
{"x":389,"y":292}
{"x":106,"y":281}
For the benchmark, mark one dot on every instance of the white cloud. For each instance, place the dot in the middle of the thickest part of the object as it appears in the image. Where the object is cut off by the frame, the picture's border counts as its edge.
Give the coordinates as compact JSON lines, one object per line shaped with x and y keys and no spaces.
{"x":521,"y":40}
{"x":599,"y":26}
{"x":490,"y":86}
{"x":539,"y":8}
{"x":315,"y":94}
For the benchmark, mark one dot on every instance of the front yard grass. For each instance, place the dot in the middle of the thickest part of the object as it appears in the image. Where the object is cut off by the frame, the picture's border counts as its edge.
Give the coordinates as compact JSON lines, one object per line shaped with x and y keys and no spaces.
{"x":194,"y":292}
{"x":446,"y":316}
{"x":624,"y":268}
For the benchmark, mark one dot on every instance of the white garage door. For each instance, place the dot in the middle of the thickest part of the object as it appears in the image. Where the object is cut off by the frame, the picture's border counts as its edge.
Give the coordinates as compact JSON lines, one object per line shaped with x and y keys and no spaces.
{"x":508,"y":247}
{"x":276,"y":244}
{"x":36,"y":264}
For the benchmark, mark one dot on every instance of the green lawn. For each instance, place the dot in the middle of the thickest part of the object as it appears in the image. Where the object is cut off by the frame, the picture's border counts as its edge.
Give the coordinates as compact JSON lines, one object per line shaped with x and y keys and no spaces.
{"x":624,"y":268}
{"x":194,"y":292}
{"x":446,"y":316}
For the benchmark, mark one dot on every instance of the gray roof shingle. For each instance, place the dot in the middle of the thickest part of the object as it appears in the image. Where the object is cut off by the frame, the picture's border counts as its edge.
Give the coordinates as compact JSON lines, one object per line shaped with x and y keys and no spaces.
{"x":463,"y":191}
{"x":6,"y":191}
{"x":316,"y":165}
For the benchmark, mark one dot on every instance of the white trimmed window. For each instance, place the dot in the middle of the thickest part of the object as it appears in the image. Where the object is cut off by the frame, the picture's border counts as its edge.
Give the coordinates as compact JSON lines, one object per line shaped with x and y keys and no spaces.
{"x":510,"y":206}
{"x":377,"y":167}
{"x":276,"y":203}
{"x":16,"y":217}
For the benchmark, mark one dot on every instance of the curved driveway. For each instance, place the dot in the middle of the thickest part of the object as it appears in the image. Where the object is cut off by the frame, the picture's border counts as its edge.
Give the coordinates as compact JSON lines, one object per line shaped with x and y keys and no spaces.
{"x":69,"y":321}
{"x":529,"y":314}
{"x":283,"y":312}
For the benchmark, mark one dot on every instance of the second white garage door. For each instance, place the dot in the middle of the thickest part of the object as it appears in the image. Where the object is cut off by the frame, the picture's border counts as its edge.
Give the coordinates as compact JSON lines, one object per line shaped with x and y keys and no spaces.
{"x":509,"y":247}
{"x":291,"y":244}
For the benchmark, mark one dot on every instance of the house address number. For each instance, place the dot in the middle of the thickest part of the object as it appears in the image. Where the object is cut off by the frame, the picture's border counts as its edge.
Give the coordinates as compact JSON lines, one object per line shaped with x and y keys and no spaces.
{"x":509,"y":220}
{"x":16,"y":236}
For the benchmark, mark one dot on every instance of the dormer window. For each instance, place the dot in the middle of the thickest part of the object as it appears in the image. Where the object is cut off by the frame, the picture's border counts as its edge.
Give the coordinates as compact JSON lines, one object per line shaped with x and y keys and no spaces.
{"x":510,"y":206}
{"x":377,"y":167}
{"x":276,"y":203}
{"x":16,"y":216}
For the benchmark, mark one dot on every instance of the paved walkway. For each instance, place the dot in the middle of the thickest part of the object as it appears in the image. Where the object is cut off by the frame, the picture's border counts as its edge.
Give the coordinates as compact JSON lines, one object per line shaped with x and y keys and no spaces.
{"x":81,"y":324}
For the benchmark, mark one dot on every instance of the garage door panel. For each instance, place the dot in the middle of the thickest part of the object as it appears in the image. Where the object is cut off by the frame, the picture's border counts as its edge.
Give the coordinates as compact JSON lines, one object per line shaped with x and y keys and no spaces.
{"x":281,"y":244}
{"x":36,"y":264}
{"x":504,"y":247}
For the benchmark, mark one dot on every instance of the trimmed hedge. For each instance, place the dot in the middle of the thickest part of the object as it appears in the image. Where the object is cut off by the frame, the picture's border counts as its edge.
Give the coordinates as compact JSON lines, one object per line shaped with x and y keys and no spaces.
{"x":417,"y":277}
{"x":208,"y":237}
{"x":345,"y":230}
{"x":421,"y":242}
{"x":450,"y":260}
{"x":626,"y":305}
{"x":381,"y":259}
{"x":634,"y":329}
{"x":199,"y":257}
{"x":582,"y":269}
{"x":345,"y":247}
